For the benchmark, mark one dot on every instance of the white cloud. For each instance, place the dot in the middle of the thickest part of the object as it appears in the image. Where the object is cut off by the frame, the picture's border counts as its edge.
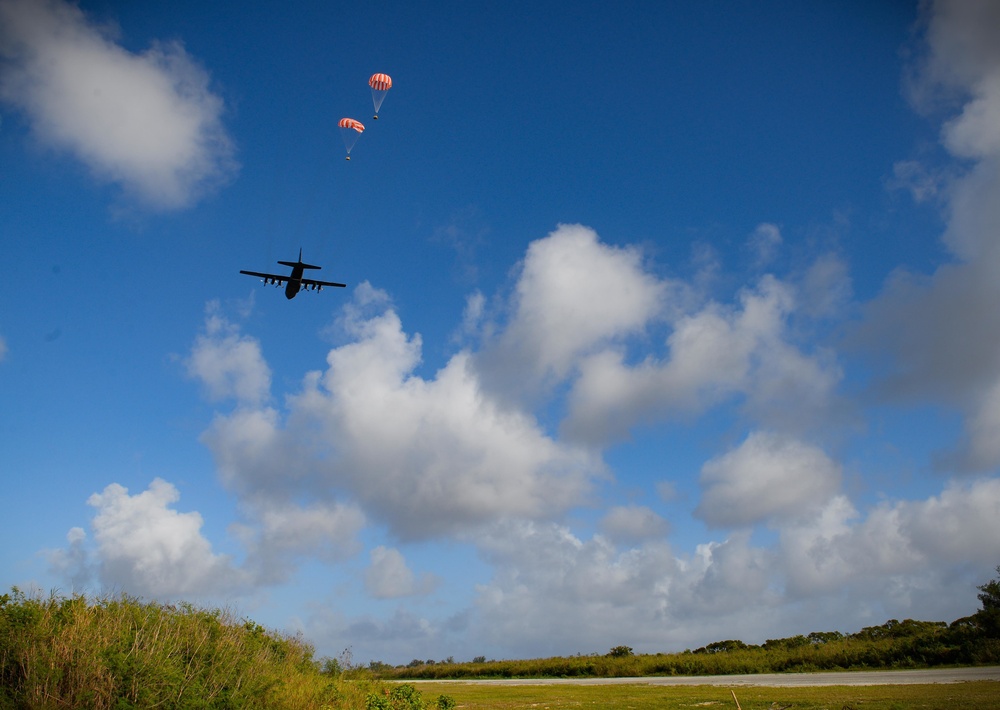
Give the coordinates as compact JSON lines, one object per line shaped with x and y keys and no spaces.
{"x":714,"y":354}
{"x":278,"y":534}
{"x":890,"y":553}
{"x":389,"y":577}
{"x":913,"y":176}
{"x":146,"y":122}
{"x":632,"y":523}
{"x":472,"y":315}
{"x":940,"y":334}
{"x":145,"y":547}
{"x":825,"y":289}
{"x":962,"y":37}
{"x":554,"y":593}
{"x":767,"y":476}
{"x":251,"y":454}
{"x":573,"y":294}
{"x":228,"y":364}
{"x":426,"y":457}
{"x":150,"y":549}
{"x":724,"y":579}
{"x":764,"y":242}
{"x":400,"y":637}
{"x":73,"y":563}
{"x":982,"y":446}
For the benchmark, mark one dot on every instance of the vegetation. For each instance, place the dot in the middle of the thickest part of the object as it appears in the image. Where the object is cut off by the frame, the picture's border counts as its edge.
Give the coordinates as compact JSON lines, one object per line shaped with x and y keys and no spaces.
{"x":895,"y":644}
{"x":121,"y":653}
{"x":973,"y":640}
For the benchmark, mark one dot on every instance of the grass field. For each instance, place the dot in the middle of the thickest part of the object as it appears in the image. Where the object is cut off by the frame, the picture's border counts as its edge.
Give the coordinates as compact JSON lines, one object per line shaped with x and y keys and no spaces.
{"x":984,"y":695}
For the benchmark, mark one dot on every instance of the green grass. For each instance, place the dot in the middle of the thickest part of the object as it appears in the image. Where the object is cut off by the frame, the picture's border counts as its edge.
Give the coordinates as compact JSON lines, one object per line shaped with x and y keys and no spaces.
{"x":118,"y":653}
{"x":983,"y":695}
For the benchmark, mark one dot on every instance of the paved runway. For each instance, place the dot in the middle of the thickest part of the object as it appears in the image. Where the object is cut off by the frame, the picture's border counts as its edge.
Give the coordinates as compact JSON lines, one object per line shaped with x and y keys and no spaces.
{"x":772,"y":680}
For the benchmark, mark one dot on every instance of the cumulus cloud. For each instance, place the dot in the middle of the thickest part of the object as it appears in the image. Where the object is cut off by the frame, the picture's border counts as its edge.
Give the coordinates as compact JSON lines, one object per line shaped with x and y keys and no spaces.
{"x":389,"y":577}
{"x":73,"y":563}
{"x":715,"y":353}
{"x":836,"y":569}
{"x":573,"y":294}
{"x":148,"y":122}
{"x":424,"y":456}
{"x":551,"y":589}
{"x":228,"y":364}
{"x":278,"y":534}
{"x":888,"y":554}
{"x":941,"y":333}
{"x":768,"y":475}
{"x":632,"y":523}
{"x":144,"y":546}
{"x":149,"y":548}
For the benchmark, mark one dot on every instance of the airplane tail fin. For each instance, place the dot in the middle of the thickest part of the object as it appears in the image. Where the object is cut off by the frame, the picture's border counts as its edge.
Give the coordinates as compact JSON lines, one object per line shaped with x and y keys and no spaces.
{"x":299,"y":262}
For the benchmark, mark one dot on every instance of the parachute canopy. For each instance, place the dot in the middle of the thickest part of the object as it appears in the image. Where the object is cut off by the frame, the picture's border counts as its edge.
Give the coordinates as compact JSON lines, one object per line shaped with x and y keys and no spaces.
{"x":380,"y":83}
{"x":350,"y":131}
{"x":351,"y":123}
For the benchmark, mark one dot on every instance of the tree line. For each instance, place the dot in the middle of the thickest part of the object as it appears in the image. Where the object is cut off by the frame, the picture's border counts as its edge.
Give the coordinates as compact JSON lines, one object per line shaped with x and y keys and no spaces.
{"x":972,"y":640}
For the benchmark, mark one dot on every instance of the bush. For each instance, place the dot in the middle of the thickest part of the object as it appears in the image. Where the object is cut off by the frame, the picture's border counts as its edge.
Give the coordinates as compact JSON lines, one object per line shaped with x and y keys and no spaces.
{"x":403,"y":697}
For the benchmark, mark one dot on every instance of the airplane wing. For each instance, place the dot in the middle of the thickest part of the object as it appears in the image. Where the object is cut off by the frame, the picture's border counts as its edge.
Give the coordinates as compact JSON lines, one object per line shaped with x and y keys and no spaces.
{"x":273,"y":278}
{"x":314,"y":283}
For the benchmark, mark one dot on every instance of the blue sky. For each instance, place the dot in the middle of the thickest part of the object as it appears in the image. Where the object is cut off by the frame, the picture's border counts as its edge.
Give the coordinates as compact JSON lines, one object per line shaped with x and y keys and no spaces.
{"x":665,"y":323}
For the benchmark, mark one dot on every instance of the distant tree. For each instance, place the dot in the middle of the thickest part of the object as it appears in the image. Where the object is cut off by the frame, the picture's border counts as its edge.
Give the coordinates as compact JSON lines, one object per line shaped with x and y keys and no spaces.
{"x":722,"y":646}
{"x":620,"y":652}
{"x":479,"y":659}
{"x":988,"y":618}
{"x":825,"y":636}
{"x":788,"y":643}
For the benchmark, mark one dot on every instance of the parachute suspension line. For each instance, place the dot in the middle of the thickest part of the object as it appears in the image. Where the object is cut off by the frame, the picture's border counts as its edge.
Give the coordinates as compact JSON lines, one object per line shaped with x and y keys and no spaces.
{"x":350,"y":131}
{"x":380,"y":83}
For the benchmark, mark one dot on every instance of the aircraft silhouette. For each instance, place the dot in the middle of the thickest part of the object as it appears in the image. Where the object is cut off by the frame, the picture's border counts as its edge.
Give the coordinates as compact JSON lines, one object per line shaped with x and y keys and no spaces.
{"x":295,"y":280}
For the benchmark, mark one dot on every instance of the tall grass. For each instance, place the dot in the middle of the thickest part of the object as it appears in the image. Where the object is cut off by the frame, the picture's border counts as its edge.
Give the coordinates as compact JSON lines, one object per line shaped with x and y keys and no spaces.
{"x":119,"y":652}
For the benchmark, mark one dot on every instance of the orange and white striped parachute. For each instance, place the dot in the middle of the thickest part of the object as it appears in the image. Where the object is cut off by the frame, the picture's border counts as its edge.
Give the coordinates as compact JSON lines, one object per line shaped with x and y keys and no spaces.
{"x":380,"y":83}
{"x":350,"y":130}
{"x":351,"y":123}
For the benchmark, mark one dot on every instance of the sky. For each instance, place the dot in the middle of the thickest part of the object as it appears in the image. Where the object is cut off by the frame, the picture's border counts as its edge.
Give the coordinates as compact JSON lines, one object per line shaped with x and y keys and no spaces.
{"x":665,"y":322}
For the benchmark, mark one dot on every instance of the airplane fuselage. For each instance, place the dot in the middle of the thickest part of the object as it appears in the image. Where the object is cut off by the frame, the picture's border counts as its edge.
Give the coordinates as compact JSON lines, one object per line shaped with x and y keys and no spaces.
{"x":294,"y":282}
